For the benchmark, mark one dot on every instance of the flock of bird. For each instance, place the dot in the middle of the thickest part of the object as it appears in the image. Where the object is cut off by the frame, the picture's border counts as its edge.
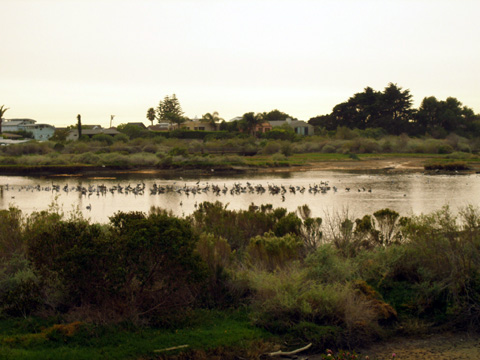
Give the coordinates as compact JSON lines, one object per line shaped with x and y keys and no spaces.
{"x":236,"y":188}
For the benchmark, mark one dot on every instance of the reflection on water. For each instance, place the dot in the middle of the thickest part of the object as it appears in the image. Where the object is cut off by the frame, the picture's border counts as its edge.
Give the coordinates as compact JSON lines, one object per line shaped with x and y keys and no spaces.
{"x":99,"y":198}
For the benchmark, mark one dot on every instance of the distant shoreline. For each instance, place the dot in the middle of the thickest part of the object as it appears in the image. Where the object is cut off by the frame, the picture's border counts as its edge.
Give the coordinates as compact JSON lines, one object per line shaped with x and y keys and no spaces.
{"x":380,"y":164}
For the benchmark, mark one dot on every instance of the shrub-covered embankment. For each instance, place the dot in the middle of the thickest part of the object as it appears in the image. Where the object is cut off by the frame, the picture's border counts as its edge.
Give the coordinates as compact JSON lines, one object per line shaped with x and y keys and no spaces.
{"x":264,"y":273}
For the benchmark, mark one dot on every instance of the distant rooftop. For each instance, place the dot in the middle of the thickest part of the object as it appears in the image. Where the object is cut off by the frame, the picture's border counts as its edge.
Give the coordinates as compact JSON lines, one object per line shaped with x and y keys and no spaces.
{"x":19,"y":121}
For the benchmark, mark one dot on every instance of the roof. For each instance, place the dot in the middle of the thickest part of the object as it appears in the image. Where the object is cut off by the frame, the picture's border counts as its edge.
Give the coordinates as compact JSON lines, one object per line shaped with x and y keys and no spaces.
{"x":15,"y":122}
{"x":159,"y":127}
{"x":97,"y":131}
{"x":292,"y":123}
{"x":142,"y":125}
{"x":37,"y":125}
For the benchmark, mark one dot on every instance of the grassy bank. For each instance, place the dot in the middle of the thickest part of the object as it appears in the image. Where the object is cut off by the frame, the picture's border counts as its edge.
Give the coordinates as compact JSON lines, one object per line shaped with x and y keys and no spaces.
{"x":158,"y":152}
{"x":414,"y":162}
{"x":34,"y":338}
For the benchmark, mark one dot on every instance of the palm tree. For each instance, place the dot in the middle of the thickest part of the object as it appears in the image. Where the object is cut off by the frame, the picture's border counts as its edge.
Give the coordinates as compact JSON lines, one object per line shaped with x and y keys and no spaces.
{"x":213,"y":119}
{"x":2,"y":111}
{"x":251,"y":120}
{"x":151,"y":115}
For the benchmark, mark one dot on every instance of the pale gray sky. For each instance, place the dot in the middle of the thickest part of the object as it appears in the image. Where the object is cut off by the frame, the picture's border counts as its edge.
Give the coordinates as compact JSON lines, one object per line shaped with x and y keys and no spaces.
{"x":60,"y":58}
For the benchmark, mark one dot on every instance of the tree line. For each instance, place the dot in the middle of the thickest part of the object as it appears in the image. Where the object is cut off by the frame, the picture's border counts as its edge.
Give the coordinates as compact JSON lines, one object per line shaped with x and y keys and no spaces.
{"x":391,"y":110}
{"x":170,"y":111}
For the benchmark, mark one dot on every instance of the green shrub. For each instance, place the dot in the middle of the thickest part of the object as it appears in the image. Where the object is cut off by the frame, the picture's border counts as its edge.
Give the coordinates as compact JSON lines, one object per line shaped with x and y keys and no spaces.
{"x":460,"y":155}
{"x":103,"y":138}
{"x":272,"y":252}
{"x":285,"y":299}
{"x":435,"y":273}
{"x":86,"y":158}
{"x":176,"y":151}
{"x":77,"y":147}
{"x":137,"y":267}
{"x":20,"y":290}
{"x":329,"y":149}
{"x":327,"y":265}
{"x":143,"y":159}
{"x":279,"y":157}
{"x":272,"y":147}
{"x":150,"y":148}
{"x":121,"y":138}
{"x":115,"y":159}
{"x":11,"y":233}
{"x":280,"y":134}
{"x":28,"y":148}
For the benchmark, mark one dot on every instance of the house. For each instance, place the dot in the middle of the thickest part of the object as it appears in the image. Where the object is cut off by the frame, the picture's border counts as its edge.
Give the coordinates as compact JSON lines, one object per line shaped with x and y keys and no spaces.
{"x":198,"y":125}
{"x":299,"y":126}
{"x":40,"y":132}
{"x":162,"y":127}
{"x":14,"y":125}
{"x":73,"y":134}
{"x":263,"y":128}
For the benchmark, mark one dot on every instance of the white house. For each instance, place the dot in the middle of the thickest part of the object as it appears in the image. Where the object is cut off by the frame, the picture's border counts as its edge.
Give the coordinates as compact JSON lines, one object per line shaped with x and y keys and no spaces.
{"x":73,"y":134}
{"x":163,"y":127}
{"x":14,"y":125}
{"x":40,"y":132}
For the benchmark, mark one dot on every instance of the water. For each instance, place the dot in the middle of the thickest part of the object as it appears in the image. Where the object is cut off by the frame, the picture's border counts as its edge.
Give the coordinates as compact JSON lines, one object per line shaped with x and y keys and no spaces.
{"x":405,"y":193}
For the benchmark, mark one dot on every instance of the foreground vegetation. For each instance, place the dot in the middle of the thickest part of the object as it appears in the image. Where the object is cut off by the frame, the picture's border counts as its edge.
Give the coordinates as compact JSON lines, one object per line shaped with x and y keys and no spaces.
{"x":231,"y":282}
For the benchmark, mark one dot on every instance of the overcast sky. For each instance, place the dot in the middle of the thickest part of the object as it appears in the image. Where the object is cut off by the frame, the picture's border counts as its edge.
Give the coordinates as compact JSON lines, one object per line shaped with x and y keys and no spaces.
{"x":60,"y":58}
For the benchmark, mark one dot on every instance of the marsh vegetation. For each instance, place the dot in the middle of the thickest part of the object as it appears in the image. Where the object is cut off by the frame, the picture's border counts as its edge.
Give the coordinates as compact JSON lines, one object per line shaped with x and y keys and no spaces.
{"x":200,"y":150}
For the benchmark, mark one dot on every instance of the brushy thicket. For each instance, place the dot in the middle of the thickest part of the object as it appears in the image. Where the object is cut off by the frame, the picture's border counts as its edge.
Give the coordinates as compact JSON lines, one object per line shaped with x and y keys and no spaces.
{"x":206,"y":151}
{"x":338,"y":282}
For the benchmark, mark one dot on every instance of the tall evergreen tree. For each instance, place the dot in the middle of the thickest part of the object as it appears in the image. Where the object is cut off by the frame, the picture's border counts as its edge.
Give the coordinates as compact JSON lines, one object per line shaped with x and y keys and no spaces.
{"x":169,"y":110}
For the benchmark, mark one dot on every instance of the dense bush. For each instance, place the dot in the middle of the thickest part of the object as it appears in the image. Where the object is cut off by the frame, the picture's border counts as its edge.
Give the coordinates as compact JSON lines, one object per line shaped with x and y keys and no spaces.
{"x":238,"y":227}
{"x":136,"y":267}
{"x":29,"y":148}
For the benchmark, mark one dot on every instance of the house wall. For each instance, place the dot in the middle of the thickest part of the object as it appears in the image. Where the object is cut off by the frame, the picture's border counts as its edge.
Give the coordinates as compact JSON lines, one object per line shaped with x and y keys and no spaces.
{"x":9,"y":128}
{"x":263,"y":128}
{"x":299,"y":126}
{"x":40,"y":131}
{"x":197,"y":125}
{"x":304,"y":130}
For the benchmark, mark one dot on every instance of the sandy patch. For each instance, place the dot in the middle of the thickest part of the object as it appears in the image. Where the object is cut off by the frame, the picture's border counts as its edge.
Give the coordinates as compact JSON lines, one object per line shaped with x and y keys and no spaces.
{"x":448,"y":346}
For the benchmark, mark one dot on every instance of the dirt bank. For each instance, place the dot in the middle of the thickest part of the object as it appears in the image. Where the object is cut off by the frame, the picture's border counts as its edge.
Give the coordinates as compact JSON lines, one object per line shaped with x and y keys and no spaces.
{"x":447,"y":346}
{"x":381,"y":164}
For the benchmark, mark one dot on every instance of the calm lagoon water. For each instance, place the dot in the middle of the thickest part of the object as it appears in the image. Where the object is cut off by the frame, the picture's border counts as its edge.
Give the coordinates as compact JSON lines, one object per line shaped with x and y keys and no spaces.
{"x":99,"y":198}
